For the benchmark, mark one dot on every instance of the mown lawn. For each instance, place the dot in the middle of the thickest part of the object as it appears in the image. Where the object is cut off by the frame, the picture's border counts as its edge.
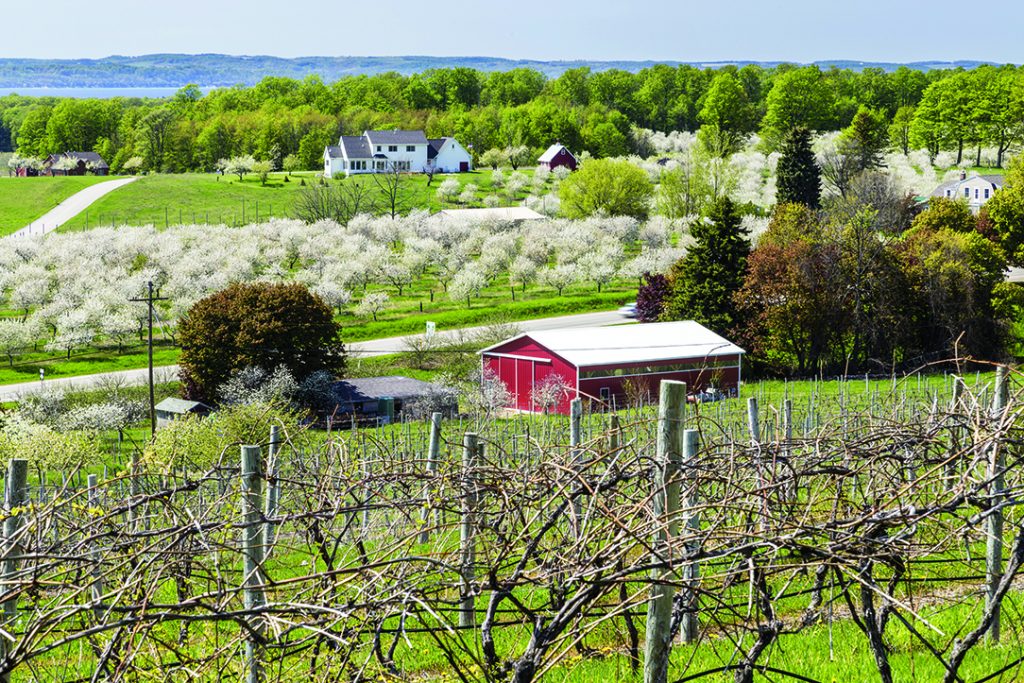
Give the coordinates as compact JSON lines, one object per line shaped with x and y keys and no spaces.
{"x":23,"y":200}
{"x":164,"y":200}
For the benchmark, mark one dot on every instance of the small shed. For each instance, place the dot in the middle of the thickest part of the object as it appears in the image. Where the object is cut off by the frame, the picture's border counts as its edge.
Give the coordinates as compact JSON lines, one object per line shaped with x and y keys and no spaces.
{"x":606,"y":364}
{"x":171,"y":409}
{"x":384,"y":399}
{"x":555,"y":156}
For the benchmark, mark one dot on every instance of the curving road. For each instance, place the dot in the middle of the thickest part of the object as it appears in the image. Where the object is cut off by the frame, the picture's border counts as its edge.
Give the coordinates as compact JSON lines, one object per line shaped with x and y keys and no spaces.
{"x":71,"y":207}
{"x":364,"y":349}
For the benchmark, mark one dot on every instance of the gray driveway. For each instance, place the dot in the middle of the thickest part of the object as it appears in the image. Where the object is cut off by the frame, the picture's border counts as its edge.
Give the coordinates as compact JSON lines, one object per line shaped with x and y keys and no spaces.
{"x":71,"y":207}
{"x":364,"y":349}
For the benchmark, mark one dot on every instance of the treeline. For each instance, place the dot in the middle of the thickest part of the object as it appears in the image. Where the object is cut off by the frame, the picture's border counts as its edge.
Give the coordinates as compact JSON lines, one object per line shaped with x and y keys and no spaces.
{"x":863,"y":281}
{"x":588,"y":111}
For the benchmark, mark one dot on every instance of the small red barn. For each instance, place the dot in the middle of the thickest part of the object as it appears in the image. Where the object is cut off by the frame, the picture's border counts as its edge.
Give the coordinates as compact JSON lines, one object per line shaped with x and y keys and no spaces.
{"x":596,"y":362}
{"x":557,"y":155}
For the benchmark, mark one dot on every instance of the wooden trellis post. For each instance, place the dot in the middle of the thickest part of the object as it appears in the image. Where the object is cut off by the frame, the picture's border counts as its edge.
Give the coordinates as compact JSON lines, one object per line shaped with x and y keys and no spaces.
{"x":467,"y":532}
{"x":252,"y":555}
{"x":96,"y":589}
{"x":273,"y":489}
{"x":433,"y":458}
{"x":657,"y":645}
{"x":691,"y":624}
{"x":576,"y":454}
{"x":997,"y":479}
{"x":16,"y":497}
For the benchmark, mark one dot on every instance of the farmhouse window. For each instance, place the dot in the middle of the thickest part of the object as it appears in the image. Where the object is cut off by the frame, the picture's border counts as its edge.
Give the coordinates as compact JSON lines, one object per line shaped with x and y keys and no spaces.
{"x":378,"y":148}
{"x":392,"y":148}
{"x":967,"y":192}
{"x":975,"y":193}
{"x":986,"y":193}
{"x":410,"y":148}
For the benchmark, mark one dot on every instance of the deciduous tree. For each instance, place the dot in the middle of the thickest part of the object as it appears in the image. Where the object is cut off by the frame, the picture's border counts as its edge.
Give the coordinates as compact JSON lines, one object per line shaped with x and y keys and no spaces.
{"x":256,"y":325}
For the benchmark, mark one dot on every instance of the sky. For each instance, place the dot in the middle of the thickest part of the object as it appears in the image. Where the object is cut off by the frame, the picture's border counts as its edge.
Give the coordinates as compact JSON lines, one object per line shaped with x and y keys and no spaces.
{"x":682,"y":30}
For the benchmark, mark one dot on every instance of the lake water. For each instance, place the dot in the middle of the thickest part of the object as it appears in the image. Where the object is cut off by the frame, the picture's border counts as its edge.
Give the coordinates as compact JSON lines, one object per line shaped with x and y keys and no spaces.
{"x":82,"y":93}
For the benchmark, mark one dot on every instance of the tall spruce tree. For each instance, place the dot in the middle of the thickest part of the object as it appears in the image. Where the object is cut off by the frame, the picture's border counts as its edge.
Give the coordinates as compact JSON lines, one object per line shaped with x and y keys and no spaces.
{"x":704,"y":281}
{"x":799,"y":177}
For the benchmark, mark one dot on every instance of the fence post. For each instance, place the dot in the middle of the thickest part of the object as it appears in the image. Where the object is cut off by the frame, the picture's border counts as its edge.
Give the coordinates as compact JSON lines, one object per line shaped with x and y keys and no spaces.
{"x":614,"y":434}
{"x":691,"y":624}
{"x":753,"y":422}
{"x":273,"y":489}
{"x":252,"y":556}
{"x":996,"y":475}
{"x":575,"y":455}
{"x":467,"y":540}
{"x":433,"y":455}
{"x":17,"y":489}
{"x":657,"y":646}
{"x":96,"y":589}
{"x":955,"y":432}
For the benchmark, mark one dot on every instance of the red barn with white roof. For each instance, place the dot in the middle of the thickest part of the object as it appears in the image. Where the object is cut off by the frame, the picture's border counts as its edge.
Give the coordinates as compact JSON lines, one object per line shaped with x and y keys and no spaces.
{"x":595,"y":362}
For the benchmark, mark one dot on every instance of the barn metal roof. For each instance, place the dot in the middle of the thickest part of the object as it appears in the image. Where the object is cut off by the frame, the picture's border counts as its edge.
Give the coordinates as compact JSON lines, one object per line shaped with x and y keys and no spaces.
{"x":622,"y":344}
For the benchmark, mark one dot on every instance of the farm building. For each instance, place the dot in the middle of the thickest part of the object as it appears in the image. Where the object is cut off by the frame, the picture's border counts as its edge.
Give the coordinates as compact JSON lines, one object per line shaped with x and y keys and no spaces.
{"x":555,"y":156}
{"x":375,"y":399}
{"x":83,"y":162}
{"x":547,"y":369}
{"x":976,"y":190}
{"x":407,"y":151}
{"x":498,"y":214}
{"x":171,"y":409}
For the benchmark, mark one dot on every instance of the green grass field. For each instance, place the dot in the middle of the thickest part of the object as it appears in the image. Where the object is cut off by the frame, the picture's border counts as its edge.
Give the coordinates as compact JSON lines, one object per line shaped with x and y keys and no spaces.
{"x":23,"y":200}
{"x":163,"y":200}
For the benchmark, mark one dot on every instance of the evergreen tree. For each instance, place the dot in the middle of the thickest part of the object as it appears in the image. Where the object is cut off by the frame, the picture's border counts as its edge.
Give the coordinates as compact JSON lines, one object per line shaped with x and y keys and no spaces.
{"x":799,"y":177}
{"x":704,"y":281}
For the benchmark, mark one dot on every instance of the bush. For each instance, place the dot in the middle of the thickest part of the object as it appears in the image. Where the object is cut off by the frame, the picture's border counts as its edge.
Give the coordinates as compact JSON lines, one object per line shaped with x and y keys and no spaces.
{"x":606,"y":186}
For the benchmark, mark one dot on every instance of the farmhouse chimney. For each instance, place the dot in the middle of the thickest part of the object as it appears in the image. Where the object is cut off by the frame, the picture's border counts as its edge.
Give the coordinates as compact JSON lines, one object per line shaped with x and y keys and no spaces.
{"x":963,"y":174}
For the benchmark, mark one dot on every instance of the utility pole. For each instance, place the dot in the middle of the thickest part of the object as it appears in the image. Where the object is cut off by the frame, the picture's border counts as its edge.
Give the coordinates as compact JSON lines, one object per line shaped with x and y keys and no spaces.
{"x":152,"y":394}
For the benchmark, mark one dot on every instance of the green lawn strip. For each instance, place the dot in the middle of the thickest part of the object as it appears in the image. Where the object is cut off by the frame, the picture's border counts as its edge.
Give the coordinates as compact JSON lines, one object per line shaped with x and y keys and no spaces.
{"x":26,"y":368}
{"x":24,"y":200}
{"x":448,"y":315}
{"x":165,"y":200}
{"x":162,"y":200}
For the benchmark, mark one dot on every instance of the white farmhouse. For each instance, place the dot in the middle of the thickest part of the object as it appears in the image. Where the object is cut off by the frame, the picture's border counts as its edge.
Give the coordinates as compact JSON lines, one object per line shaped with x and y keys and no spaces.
{"x":976,"y":190}
{"x":407,"y":151}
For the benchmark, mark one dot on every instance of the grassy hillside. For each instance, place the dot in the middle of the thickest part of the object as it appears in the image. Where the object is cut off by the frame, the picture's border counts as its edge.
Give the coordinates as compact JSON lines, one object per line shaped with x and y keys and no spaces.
{"x":23,"y":200}
{"x":163,"y":200}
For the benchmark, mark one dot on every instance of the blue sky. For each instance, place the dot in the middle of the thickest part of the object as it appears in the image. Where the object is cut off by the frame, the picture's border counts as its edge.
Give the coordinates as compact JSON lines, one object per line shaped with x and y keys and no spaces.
{"x":796,"y":30}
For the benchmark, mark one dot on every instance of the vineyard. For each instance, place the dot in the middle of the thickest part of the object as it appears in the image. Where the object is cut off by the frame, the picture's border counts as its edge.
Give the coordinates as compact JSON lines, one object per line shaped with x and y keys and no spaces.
{"x":871,"y":532}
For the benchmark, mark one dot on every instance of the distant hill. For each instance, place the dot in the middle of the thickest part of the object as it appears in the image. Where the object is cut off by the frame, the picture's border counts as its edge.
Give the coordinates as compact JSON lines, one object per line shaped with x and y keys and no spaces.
{"x":175,"y":70}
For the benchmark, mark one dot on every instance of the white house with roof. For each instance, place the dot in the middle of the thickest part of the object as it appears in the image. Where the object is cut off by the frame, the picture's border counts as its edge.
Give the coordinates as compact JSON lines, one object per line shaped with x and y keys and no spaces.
{"x":976,"y":190}
{"x":407,"y":151}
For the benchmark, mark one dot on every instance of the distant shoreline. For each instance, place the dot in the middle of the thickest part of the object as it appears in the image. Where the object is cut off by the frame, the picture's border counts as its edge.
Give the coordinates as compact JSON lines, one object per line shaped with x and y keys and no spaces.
{"x":172,"y":71}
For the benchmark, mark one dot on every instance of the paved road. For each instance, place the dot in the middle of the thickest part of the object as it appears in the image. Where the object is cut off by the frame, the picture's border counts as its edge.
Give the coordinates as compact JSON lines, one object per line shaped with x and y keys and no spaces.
{"x":364,"y":349}
{"x":71,"y":207}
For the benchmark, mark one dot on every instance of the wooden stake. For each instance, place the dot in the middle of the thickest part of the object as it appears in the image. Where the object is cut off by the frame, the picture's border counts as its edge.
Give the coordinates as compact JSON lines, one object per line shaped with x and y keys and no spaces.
{"x":657,"y":646}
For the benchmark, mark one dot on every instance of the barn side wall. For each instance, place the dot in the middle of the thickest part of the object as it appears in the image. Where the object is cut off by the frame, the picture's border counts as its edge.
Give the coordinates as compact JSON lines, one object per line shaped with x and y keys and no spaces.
{"x":631,"y":381}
